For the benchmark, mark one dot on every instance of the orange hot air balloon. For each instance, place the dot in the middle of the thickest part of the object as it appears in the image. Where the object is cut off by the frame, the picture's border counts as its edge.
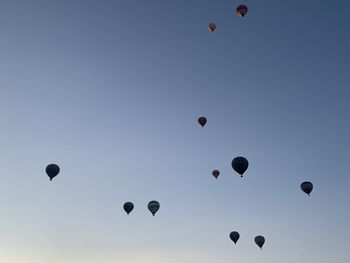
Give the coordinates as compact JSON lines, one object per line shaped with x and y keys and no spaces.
{"x":211,"y":27}
{"x":242,"y":10}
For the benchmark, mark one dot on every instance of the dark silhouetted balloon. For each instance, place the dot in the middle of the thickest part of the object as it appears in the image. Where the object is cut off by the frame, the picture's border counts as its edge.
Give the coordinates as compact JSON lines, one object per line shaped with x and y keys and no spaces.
{"x":307,"y":187}
{"x":242,"y":10}
{"x":234,"y":236}
{"x":202,"y":121}
{"x":240,"y":165}
{"x":211,"y":27}
{"x":153,"y":207}
{"x":52,"y":170}
{"x":128,"y":207}
{"x":260,"y":240}
{"x":215,"y":173}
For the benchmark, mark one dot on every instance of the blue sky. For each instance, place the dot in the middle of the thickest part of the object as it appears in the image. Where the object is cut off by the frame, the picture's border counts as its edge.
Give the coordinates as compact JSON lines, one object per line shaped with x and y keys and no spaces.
{"x":111,"y":91}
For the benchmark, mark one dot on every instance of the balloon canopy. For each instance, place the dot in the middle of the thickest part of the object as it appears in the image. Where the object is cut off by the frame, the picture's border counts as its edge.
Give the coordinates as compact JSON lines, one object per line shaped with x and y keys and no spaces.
{"x":215,"y":173}
{"x":241,"y":10}
{"x":153,"y":207}
{"x":128,"y":207}
{"x":202,"y":121}
{"x":240,"y":165}
{"x":234,"y":236}
{"x":211,"y":27}
{"x":52,"y":170}
{"x":307,"y":187}
{"x":259,"y":240}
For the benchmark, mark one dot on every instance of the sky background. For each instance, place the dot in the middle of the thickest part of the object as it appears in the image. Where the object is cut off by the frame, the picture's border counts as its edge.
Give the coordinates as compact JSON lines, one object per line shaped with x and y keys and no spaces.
{"x":111,"y":91}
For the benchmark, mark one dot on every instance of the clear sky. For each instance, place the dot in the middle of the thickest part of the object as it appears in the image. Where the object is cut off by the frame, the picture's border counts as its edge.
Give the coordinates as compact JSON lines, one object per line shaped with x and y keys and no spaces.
{"x":111,"y":91}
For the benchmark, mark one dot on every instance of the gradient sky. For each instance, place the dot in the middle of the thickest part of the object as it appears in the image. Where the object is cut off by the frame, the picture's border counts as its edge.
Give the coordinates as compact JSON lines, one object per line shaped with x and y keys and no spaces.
{"x":111,"y":91}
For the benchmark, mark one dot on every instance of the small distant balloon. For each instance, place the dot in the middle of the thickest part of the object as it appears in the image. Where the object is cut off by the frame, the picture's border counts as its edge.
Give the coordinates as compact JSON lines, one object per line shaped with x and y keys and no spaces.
{"x":234,"y":236}
{"x":128,"y":207}
{"x":307,"y":187}
{"x":215,"y":173}
{"x":202,"y":121}
{"x":241,"y":10}
{"x":212,"y":27}
{"x":259,"y":240}
{"x":240,"y":165}
{"x":153,"y":207}
{"x":52,"y":170}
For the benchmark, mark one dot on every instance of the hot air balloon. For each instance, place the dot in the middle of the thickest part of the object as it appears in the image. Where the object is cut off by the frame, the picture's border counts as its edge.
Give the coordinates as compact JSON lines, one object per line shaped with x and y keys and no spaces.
{"x":307,"y":187}
{"x":153,"y":207}
{"x":52,"y":170}
{"x":260,"y":240}
{"x":242,"y":10}
{"x":202,"y":121}
{"x":215,"y":173}
{"x":240,"y":165}
{"x":128,"y":207}
{"x":211,"y":27}
{"x":234,"y":236}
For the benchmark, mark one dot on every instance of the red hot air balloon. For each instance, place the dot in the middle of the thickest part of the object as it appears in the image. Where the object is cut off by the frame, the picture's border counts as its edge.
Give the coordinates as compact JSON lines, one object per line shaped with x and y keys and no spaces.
{"x":211,"y":27}
{"x":242,"y":10}
{"x":216,"y":173}
{"x":202,"y":121}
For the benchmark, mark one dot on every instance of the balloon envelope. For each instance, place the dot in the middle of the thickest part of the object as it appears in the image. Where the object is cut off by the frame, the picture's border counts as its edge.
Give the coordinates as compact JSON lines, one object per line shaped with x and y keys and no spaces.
{"x":211,"y":27}
{"x":242,"y":10}
{"x":240,"y":165}
{"x":153,"y":207}
{"x":215,"y":173}
{"x":128,"y":207}
{"x":202,"y":121}
{"x":52,"y":170}
{"x":234,"y":236}
{"x":307,"y":187}
{"x":260,"y":240}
